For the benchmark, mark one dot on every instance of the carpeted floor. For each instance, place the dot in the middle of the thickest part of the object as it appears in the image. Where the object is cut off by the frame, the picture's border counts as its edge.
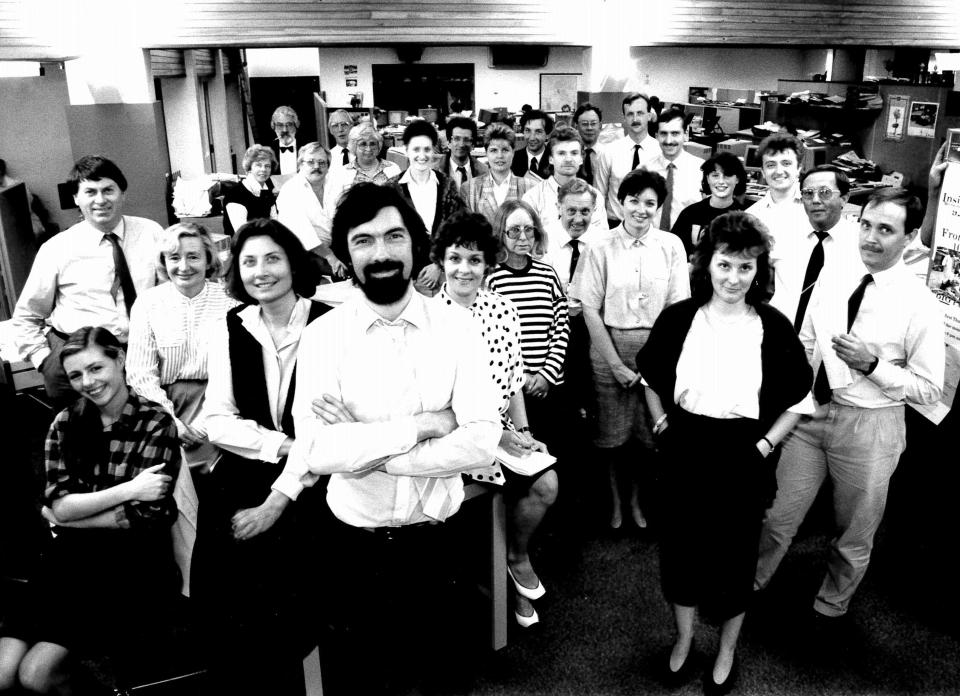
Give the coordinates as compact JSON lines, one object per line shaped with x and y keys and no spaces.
{"x":604,"y":625}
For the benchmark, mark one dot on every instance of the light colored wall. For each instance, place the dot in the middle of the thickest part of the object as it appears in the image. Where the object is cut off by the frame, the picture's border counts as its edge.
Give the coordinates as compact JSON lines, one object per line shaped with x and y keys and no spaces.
{"x":493,"y":87}
{"x":282,"y":62}
{"x":181,"y":113}
{"x":668,"y":72}
{"x":34,"y":139}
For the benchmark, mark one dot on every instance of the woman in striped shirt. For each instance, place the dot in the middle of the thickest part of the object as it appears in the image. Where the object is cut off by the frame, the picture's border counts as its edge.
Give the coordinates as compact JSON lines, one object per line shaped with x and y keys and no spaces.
{"x":535,"y":290}
{"x":169,"y":328}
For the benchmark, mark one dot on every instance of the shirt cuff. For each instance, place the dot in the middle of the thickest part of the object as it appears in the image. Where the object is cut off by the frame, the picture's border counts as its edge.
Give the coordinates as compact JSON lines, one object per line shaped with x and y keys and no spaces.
{"x":288,"y":484}
{"x":883,"y":374}
{"x":272,"y":441}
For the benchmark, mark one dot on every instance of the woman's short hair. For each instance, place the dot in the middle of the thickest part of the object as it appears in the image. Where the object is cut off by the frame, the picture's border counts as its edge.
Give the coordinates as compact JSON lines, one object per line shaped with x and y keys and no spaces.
{"x":640,"y":180}
{"x":730,"y":165}
{"x":301,"y":267}
{"x":309,"y":149}
{"x":468,"y":230}
{"x":255,"y":153}
{"x":420,"y":127}
{"x":500,"y":228}
{"x":170,"y":241}
{"x":361,"y":203}
{"x":736,"y":232}
{"x":88,"y":336}
{"x":363,"y":130}
{"x":498,"y":131}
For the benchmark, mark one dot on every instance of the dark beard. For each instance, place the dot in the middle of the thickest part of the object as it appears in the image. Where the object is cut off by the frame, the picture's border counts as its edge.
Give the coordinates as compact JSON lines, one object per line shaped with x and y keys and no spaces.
{"x":384,"y":291}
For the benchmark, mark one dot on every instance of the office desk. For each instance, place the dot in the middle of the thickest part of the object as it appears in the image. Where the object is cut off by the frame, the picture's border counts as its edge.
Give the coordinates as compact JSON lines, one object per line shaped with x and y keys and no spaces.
{"x":20,"y":373}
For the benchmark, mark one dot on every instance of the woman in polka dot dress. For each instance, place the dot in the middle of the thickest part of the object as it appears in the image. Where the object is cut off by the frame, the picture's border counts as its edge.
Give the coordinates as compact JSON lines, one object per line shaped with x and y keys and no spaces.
{"x":466,"y":250}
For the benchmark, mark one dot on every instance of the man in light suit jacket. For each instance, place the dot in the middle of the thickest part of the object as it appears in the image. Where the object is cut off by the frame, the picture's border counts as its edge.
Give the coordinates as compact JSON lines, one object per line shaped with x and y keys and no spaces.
{"x":485,"y":194}
{"x":458,"y":163}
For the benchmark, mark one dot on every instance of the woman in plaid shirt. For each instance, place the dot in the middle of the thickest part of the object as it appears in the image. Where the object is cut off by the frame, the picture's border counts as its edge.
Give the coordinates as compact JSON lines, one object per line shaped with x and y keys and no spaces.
{"x":111,"y":459}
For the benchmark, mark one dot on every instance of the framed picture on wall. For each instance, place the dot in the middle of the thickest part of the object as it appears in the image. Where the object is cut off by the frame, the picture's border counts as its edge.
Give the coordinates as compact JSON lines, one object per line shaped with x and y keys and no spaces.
{"x":923,"y":119}
{"x":558,"y":91}
{"x":898,"y":109}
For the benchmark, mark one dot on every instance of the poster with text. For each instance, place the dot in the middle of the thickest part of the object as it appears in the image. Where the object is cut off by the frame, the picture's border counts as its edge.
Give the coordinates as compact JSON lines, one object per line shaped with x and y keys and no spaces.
{"x":943,"y":280}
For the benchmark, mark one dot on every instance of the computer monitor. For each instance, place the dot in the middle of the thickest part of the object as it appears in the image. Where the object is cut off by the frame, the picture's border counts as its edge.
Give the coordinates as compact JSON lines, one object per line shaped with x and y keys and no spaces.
{"x":428,"y":115}
{"x":397,"y":118}
{"x":751,"y":158}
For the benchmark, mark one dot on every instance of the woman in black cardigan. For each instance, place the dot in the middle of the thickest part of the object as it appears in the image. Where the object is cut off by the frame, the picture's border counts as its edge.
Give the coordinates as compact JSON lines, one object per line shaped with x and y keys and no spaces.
{"x":726,"y":380}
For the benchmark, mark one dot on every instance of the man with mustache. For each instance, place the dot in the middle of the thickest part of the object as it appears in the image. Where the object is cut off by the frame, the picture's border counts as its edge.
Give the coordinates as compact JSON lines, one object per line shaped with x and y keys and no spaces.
{"x":878,"y":349}
{"x":828,"y":245}
{"x":630,"y":152}
{"x":679,"y":168}
{"x":88,"y":275}
{"x":394,"y":400}
{"x":300,"y":205}
{"x":285,"y":122}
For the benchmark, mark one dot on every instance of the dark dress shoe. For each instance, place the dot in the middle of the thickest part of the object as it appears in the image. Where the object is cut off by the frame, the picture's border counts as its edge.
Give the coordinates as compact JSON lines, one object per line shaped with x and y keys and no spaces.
{"x":711,"y":688}
{"x":683,"y":676}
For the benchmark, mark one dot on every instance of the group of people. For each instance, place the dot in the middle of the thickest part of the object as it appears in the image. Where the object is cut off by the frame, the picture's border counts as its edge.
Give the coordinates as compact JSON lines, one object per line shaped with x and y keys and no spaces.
{"x":312,"y":460}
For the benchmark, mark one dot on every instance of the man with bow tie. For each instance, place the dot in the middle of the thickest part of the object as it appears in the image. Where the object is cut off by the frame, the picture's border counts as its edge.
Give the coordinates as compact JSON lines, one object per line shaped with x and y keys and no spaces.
{"x":285,"y":123}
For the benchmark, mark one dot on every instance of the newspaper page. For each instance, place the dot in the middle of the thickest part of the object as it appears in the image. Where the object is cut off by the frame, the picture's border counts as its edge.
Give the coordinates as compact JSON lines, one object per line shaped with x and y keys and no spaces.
{"x":943,"y":279}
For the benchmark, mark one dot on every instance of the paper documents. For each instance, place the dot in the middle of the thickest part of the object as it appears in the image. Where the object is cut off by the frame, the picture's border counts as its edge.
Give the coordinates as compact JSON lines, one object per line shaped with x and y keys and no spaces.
{"x":528,"y":465}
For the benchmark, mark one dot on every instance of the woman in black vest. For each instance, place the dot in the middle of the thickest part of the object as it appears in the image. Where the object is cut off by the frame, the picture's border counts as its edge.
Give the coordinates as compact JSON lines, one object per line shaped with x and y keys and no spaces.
{"x":254,"y":550}
{"x":726,"y":380}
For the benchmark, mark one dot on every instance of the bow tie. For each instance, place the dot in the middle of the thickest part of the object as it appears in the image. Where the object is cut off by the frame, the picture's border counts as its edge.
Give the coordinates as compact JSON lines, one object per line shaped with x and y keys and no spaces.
{"x":286,"y":148}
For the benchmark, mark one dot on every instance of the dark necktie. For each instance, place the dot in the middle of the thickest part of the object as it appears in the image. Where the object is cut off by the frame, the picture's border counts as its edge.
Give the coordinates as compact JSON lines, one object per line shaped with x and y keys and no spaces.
{"x":286,"y":148}
{"x":588,"y":166}
{"x":574,"y":256}
{"x":667,"y":204}
{"x":636,"y":157}
{"x":121,"y":274}
{"x":346,"y":156}
{"x":814,"y":265}
{"x":534,"y":165}
{"x":821,"y":388}
{"x":462,"y":175}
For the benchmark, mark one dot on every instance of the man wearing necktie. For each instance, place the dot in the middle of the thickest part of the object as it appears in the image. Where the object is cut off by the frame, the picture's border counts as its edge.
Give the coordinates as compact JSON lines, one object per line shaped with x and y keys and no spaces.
{"x":458,"y":163}
{"x":677,"y":166}
{"x":285,"y":122}
{"x":394,"y":401}
{"x":878,"y":334}
{"x":536,"y":127}
{"x":635,"y":149}
{"x":588,"y":120}
{"x":88,"y":275}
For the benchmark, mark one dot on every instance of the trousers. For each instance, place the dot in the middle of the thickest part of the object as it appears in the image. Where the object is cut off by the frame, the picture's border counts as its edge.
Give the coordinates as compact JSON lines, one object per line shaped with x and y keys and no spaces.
{"x":858,"y":448}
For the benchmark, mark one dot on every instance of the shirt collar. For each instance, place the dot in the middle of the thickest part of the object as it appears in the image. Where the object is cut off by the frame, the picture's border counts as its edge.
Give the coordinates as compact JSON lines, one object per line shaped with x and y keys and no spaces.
{"x":628,"y":240}
{"x":794,"y":197}
{"x":117,"y":230}
{"x":407,"y":179}
{"x":891,"y":275}
{"x":252,"y":320}
{"x":414,"y":313}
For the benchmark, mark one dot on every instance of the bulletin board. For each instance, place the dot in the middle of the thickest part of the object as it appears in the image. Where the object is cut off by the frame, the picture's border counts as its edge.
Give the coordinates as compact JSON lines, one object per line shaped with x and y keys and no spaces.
{"x":558,"y":91}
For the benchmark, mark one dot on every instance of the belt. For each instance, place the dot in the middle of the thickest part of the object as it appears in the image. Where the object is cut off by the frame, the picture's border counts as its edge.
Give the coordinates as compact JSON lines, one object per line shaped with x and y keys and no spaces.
{"x":408,"y":531}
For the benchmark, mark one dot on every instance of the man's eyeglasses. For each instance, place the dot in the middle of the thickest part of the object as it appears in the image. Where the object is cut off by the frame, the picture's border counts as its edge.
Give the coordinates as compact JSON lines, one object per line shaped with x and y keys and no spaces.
{"x":527,"y":231}
{"x":825,"y":194}
{"x":315,"y":163}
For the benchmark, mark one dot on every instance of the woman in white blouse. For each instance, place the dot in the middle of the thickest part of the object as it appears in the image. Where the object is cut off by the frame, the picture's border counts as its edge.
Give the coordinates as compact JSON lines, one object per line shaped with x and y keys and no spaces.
{"x":252,"y":559}
{"x":170,"y":328}
{"x":726,"y":380}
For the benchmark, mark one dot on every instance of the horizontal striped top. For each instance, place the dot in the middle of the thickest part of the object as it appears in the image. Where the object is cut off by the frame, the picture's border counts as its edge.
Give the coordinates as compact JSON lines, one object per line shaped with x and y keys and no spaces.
{"x":544,"y":329}
{"x":170,"y":336}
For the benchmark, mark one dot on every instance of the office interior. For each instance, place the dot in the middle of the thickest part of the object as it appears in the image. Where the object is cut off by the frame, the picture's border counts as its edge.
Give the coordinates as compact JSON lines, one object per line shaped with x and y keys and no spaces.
{"x":181,"y":89}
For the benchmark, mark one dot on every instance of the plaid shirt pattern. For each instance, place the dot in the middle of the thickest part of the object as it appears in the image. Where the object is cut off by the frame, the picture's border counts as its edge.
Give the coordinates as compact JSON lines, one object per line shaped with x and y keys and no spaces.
{"x":145,"y":435}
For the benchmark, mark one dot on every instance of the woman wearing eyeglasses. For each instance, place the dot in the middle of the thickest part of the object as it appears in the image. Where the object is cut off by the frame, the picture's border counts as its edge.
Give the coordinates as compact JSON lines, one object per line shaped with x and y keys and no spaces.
{"x":364,"y":143}
{"x":627,"y":279}
{"x":535,"y":289}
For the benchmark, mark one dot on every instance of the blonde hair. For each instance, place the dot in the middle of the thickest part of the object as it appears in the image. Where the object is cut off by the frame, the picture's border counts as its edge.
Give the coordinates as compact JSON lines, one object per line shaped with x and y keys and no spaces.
{"x":500,"y":228}
{"x":169,"y":242}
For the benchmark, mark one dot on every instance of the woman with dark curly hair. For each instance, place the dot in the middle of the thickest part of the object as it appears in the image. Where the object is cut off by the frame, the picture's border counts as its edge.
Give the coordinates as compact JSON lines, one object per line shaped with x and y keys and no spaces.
{"x":726,"y":380}
{"x":249,"y":566}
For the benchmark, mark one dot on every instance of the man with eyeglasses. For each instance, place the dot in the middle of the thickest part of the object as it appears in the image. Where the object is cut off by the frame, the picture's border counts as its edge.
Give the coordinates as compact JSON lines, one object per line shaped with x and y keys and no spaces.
{"x":285,"y":122}
{"x":300,"y":206}
{"x":458,"y":163}
{"x":874,"y":338}
{"x":588,"y":120}
{"x":339,"y":125}
{"x":565,"y":149}
{"x":826,"y":246}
